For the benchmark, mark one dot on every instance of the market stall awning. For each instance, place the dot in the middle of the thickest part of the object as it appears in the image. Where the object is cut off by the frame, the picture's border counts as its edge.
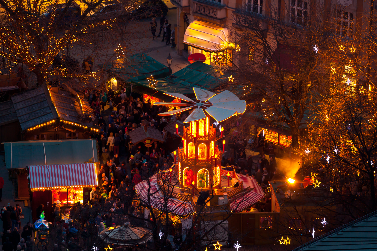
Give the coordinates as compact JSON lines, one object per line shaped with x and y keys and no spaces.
{"x":50,"y":176}
{"x":248,"y":199}
{"x":206,"y":36}
{"x":151,"y":189}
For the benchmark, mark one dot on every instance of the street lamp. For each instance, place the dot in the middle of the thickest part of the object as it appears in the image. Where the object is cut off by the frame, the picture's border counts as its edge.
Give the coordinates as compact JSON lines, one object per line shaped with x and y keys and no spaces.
{"x":169,"y":60}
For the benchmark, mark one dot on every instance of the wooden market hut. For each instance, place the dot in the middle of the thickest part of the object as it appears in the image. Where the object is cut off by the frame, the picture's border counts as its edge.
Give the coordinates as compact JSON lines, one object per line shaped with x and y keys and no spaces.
{"x":10,"y":129}
{"x":147,"y":135}
{"x":52,"y":113}
{"x":48,"y":158}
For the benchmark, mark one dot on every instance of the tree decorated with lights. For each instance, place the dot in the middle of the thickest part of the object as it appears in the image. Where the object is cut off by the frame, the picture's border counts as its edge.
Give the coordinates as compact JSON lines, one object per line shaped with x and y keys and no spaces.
{"x":35,"y":32}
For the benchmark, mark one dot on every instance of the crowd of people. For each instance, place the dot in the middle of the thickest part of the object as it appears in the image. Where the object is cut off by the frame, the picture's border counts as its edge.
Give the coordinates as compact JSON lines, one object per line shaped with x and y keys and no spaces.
{"x":168,"y":35}
{"x":13,"y":238}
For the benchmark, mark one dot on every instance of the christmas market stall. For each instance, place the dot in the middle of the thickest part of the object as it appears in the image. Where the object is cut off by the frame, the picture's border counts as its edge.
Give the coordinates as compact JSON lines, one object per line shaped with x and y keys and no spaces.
{"x":52,"y":113}
{"x":146,"y":134}
{"x":62,"y":185}
{"x":21,"y":155}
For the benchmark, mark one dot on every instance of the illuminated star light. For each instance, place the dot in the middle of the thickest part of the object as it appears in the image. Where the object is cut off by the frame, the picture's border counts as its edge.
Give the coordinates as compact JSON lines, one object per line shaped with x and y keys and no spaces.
{"x":307,"y":151}
{"x":335,"y":150}
{"x":315,"y":48}
{"x":237,"y":245}
{"x":285,"y":241}
{"x":108,"y":248}
{"x":323,"y":222}
{"x":160,"y":234}
{"x":231,"y":79}
{"x":217,"y":246}
{"x":327,"y":158}
{"x":95,"y":248}
{"x":313,"y":233}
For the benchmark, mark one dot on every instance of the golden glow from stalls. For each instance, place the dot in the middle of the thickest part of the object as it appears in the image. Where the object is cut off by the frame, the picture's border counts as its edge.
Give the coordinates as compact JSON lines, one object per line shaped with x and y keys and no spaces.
{"x":180,"y":170}
{"x":202,"y":151}
{"x":191,"y":150}
{"x":185,"y":147}
{"x":185,"y":177}
{"x":203,"y":178}
{"x":201,"y":127}
{"x":212,"y":149}
{"x":216,"y":175}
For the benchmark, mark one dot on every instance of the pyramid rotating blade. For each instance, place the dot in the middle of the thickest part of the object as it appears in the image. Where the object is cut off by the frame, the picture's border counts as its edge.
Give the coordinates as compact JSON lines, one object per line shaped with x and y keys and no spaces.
{"x":224,"y":96}
{"x":237,"y":106}
{"x":202,"y":95}
{"x":196,"y":114}
{"x":173,"y":112}
{"x":179,"y":96}
{"x":220,"y":114}
{"x":170,"y":104}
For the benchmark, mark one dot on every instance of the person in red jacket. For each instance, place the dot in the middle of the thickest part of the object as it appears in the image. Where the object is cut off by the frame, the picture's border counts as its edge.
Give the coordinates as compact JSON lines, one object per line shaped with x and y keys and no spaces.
{"x":1,"y":187}
{"x":136,"y":178}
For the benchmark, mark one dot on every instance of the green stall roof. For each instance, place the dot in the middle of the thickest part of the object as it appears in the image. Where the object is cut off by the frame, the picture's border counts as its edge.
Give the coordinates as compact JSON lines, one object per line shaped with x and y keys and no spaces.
{"x":138,"y":67}
{"x":58,"y":152}
{"x":197,"y":74}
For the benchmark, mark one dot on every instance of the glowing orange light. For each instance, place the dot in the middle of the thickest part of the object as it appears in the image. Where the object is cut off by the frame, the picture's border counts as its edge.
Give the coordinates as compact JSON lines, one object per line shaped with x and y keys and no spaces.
{"x":290,"y":180}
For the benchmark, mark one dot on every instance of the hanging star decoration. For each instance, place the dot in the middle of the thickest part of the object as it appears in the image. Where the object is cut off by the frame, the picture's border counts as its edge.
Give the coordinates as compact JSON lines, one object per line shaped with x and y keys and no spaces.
{"x":315,"y":48}
{"x":283,"y":241}
{"x":317,"y":183}
{"x":108,"y":248}
{"x":160,"y":234}
{"x":231,"y":79}
{"x":237,"y":245}
{"x":324,"y":222}
{"x":313,"y":233}
{"x":217,"y":246}
{"x":95,"y":248}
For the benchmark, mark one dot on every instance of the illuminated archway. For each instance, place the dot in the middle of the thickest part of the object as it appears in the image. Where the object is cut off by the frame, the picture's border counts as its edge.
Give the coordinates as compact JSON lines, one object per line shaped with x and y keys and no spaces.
{"x":202,"y":151}
{"x":191,"y":150}
{"x":203,"y":178}
{"x":187,"y":177}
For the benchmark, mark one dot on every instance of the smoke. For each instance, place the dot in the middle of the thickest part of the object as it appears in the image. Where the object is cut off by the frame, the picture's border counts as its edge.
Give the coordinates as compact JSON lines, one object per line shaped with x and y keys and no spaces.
{"x":288,"y":167}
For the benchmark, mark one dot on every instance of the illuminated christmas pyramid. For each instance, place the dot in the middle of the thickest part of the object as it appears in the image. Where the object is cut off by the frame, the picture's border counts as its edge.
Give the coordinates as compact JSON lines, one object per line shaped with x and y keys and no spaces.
{"x":199,"y":161}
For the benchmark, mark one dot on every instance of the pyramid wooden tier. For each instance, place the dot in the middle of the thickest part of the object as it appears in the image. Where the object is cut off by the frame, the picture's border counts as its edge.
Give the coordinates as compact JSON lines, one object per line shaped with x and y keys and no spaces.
{"x":199,"y":160}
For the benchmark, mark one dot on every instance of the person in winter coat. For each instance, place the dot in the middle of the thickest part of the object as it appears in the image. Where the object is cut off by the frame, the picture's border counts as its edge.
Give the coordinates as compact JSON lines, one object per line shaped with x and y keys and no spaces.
{"x":7,"y":245}
{"x":110,"y":141}
{"x":173,"y":38}
{"x":136,"y":178}
{"x":153,"y":27}
{"x":164,"y":30}
{"x":168,"y":34}
{"x":116,"y":143}
{"x":15,"y":238}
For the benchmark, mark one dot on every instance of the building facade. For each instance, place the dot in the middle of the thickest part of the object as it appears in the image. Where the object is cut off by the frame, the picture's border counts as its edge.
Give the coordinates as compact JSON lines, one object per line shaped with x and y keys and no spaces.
{"x":208,"y":26}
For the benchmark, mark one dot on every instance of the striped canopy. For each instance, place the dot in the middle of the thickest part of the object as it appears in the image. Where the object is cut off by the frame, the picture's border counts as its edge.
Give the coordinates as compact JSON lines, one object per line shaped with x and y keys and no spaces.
{"x":250,"y":198}
{"x":49,"y":176}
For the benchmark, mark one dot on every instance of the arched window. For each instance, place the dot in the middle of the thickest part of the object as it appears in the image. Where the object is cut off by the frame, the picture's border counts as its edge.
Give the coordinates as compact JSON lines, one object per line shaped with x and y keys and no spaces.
{"x":202,"y":151}
{"x":187,"y":177}
{"x":202,"y":178}
{"x":201,"y":127}
{"x":191,"y":150}
{"x":212,"y":149}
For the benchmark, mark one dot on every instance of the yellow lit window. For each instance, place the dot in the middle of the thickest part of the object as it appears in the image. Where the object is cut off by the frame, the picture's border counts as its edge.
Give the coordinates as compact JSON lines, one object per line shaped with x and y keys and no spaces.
{"x":212,"y":149}
{"x":201,"y":127}
{"x":202,"y":151}
{"x":185,"y":147}
{"x":202,"y":178}
{"x":207,"y":126}
{"x":191,"y":150}
{"x":193,"y":128}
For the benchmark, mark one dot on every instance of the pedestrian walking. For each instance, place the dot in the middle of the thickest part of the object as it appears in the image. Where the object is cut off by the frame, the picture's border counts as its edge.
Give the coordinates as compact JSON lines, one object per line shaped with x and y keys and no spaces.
{"x":161,"y":22}
{"x":164,"y":30}
{"x":1,"y":187}
{"x":168,"y":34}
{"x":153,"y":27}
{"x":173,"y":38}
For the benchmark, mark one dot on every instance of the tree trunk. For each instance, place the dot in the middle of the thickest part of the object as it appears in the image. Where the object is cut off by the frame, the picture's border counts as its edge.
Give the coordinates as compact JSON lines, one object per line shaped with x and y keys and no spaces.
{"x":295,"y":138}
{"x":41,"y":77}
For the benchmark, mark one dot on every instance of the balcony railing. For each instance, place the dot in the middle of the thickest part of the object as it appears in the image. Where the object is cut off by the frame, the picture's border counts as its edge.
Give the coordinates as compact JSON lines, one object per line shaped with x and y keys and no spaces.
{"x":207,"y":9}
{"x":180,"y":3}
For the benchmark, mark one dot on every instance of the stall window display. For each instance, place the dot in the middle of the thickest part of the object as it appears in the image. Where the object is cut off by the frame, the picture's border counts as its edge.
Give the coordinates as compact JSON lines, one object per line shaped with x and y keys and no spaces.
{"x":220,"y":58}
{"x":191,"y":150}
{"x":73,"y":194}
